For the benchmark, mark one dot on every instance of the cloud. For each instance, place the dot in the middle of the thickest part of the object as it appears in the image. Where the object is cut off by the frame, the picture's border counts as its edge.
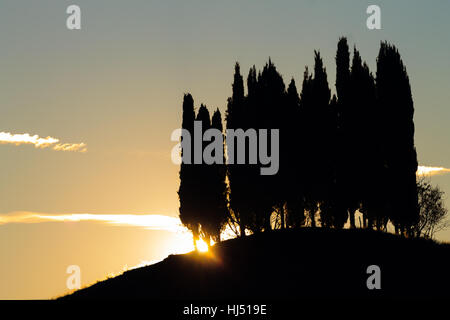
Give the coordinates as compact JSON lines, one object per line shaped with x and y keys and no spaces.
{"x":81,"y":147}
{"x":431,"y":171}
{"x":38,"y":142}
{"x":147,"y":221}
{"x":25,"y":138}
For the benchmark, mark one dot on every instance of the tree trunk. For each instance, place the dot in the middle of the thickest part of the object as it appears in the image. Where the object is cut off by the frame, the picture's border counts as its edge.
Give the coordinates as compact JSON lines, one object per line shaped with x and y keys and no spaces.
{"x":312,"y":216}
{"x":351,"y":213}
{"x":282,"y":217}
{"x":242,"y":229}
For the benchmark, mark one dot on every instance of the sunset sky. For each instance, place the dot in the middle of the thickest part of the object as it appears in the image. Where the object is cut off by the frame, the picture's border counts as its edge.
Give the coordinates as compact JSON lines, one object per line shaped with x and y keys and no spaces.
{"x":95,"y":109}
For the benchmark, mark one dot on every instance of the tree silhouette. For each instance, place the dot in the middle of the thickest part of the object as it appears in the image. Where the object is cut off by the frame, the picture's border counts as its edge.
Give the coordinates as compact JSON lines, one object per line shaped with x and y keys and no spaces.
{"x":344,"y":135}
{"x":318,"y":126}
{"x":202,"y":197}
{"x":271,"y":114}
{"x":342,"y":71}
{"x":397,"y":110}
{"x":255,"y":220}
{"x":334,"y":209}
{"x":432,"y":212}
{"x":188,"y":186}
{"x":356,"y":131}
{"x":215,"y":199}
{"x":308,"y":145}
{"x":293,"y":176}
{"x":235,"y":119}
{"x":366,"y":183}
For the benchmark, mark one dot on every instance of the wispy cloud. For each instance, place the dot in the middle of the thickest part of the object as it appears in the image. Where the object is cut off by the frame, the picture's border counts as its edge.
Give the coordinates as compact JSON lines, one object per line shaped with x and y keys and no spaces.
{"x":81,"y":147}
{"x":147,"y":221}
{"x":39,"y":142}
{"x":25,"y":138}
{"x":431,"y":171}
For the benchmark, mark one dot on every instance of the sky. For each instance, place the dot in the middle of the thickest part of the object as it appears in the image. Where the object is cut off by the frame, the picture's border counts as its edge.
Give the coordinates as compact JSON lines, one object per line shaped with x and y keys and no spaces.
{"x":97,"y":106}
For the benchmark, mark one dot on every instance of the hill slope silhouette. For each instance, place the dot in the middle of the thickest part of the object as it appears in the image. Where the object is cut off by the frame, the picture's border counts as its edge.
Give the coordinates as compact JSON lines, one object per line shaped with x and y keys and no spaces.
{"x":289,"y":264}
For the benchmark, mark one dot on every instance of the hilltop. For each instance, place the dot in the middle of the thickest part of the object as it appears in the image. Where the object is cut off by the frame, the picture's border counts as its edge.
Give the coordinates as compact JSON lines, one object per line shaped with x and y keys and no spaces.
{"x":289,"y":264}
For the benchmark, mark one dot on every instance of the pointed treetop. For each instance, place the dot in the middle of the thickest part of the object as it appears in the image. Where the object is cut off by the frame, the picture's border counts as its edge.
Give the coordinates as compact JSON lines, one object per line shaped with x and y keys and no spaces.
{"x":343,"y":51}
{"x":305,"y":95}
{"x":203,"y":115}
{"x":318,"y":63}
{"x":292,"y":88}
{"x":237,"y":68}
{"x":216,"y":121}
{"x":252,"y":81}
{"x":292,"y":85}
{"x":320,"y":81}
{"x":187,"y":99}
{"x":238,"y":84}
{"x":342,"y":69}
{"x":292,"y":92}
{"x":188,"y":112}
{"x":356,"y":58}
{"x":306,"y":73}
{"x":271,"y":78}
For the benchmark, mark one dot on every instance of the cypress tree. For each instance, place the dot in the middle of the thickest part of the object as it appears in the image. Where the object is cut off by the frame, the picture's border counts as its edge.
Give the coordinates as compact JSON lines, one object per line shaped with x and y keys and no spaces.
{"x":367,"y":169}
{"x":343,"y":149}
{"x":321,"y":129}
{"x":352,"y":127}
{"x":342,"y":71}
{"x":251,"y":172}
{"x":293,"y":176}
{"x":308,"y":145}
{"x":271,"y":114}
{"x":235,"y":114}
{"x":202,"y":197}
{"x":216,"y":190}
{"x":396,"y":108}
{"x":334,"y":209}
{"x":187,"y":190}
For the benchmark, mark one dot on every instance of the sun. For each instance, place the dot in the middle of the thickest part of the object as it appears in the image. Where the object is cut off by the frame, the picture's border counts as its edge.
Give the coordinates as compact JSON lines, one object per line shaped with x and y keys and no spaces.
{"x":202,"y":246}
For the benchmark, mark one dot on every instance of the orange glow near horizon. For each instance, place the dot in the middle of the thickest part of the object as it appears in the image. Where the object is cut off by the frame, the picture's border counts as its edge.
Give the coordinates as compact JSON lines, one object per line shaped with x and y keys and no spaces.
{"x":202,"y":246}
{"x":431,"y":171}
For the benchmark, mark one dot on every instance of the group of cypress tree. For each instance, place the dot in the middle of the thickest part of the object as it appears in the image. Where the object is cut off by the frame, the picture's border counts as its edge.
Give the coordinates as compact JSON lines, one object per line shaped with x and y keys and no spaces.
{"x":338,"y":154}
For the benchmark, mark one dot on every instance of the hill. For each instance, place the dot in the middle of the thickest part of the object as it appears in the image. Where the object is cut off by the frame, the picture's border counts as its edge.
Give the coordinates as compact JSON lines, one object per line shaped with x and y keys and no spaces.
{"x":289,"y":264}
